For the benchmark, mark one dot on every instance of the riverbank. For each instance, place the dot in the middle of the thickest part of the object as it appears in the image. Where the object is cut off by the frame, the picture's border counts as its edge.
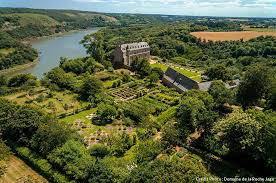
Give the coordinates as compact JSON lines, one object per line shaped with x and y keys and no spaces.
{"x":35,"y":39}
{"x":19,"y":68}
{"x":51,"y":49}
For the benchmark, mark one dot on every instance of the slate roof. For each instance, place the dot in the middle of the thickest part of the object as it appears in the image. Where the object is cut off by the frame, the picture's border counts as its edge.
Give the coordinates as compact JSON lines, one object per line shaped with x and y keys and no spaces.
{"x":180,"y":81}
{"x":134,"y":46}
{"x":171,"y":73}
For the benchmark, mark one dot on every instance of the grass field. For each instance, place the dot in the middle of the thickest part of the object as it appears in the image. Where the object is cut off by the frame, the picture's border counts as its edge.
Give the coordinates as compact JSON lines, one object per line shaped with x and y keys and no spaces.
{"x":187,"y":72}
{"x":17,"y":169}
{"x":231,"y":36}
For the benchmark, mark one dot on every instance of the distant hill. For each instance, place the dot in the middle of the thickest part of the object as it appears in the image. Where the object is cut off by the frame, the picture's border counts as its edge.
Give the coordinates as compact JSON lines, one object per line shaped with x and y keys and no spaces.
{"x":24,"y":23}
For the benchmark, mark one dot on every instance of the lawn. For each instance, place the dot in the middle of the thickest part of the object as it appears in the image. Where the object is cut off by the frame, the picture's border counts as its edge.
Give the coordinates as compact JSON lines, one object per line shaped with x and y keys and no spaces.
{"x":79,"y":116}
{"x":109,"y":83}
{"x":82,"y":116}
{"x":195,"y":75}
{"x":18,"y":171}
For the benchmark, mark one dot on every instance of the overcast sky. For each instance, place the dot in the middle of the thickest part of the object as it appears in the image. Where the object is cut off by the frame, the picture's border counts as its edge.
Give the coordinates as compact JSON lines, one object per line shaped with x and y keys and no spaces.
{"x":247,"y":8}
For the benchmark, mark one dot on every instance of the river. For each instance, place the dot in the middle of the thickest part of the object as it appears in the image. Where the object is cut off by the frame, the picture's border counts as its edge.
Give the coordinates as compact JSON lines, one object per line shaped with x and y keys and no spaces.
{"x":52,"y":48}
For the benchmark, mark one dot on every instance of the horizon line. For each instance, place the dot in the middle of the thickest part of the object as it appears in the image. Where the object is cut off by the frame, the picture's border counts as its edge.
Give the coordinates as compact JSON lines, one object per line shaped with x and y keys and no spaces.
{"x":210,"y":16}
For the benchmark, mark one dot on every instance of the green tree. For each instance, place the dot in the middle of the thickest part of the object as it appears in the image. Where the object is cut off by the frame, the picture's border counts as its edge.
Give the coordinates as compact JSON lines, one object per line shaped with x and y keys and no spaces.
{"x":204,"y":96}
{"x":266,"y":146}
{"x":218,"y":72}
{"x":254,"y":86}
{"x":94,"y":46}
{"x":76,"y":66}
{"x":60,"y":78}
{"x":50,"y":136}
{"x":146,"y":151}
{"x":91,"y":87}
{"x":240,"y":133}
{"x":106,"y":112}
{"x":192,"y":114}
{"x":170,"y":134}
{"x":167,"y":169}
{"x":73,"y":159}
{"x":100,"y":173}
{"x":158,"y":71}
{"x":119,"y":143}
{"x":90,"y":65}
{"x":21,"y":79}
{"x":142,"y":67}
{"x":99,"y":150}
{"x":18,"y":123}
{"x":220,"y":93}
{"x":153,"y":77}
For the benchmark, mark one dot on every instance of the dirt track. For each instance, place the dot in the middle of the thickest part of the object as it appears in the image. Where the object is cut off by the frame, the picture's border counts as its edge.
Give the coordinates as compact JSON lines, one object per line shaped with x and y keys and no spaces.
{"x":17,"y":169}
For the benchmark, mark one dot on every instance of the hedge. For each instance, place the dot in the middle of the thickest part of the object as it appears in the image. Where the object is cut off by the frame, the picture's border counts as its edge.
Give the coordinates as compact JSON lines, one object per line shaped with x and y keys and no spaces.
{"x":40,"y":165}
{"x":166,"y":116}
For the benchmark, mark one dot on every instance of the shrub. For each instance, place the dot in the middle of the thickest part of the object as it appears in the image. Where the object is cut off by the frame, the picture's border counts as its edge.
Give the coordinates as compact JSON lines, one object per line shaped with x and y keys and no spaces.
{"x":99,"y":150}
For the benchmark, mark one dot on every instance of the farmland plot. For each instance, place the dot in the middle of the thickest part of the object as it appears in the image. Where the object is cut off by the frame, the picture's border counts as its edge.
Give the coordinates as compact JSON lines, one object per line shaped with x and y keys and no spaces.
{"x":231,"y":36}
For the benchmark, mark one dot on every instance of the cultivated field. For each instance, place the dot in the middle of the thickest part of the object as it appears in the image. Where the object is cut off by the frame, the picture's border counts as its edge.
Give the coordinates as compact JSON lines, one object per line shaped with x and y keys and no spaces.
{"x":231,"y":36}
{"x":19,"y":172}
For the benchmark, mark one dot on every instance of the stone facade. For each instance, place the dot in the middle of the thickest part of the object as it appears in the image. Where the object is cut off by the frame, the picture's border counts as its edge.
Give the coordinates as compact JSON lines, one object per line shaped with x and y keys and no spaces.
{"x":125,"y":54}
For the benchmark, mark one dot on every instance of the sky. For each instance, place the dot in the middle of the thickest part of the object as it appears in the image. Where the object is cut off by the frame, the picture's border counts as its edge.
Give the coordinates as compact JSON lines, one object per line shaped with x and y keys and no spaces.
{"x":232,"y":8}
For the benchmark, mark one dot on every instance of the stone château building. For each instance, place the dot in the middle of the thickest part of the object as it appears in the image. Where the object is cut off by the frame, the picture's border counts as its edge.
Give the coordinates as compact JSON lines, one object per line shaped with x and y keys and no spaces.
{"x":125,"y":54}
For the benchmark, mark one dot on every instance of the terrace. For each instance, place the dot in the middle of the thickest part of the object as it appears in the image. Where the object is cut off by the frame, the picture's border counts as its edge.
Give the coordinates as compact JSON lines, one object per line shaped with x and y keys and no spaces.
{"x":193,"y":74}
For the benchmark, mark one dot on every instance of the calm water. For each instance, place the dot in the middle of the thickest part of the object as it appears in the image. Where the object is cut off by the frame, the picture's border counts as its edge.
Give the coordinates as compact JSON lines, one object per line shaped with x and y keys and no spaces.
{"x":52,"y":48}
